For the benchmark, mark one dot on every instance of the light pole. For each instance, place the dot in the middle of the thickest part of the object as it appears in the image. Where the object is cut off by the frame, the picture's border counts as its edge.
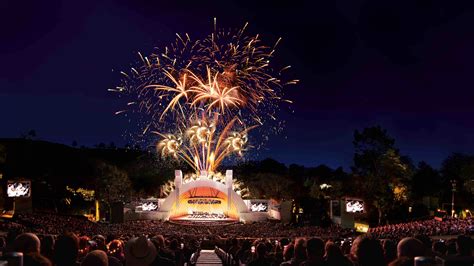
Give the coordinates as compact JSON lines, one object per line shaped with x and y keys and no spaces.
{"x":453,"y":183}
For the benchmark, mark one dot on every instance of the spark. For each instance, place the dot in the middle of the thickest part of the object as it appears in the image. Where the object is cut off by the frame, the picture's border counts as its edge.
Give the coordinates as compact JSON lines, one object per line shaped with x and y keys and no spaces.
{"x":202,"y":97}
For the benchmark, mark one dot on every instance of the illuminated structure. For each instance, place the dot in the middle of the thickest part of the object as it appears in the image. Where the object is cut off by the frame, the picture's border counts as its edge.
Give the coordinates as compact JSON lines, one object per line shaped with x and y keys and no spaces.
{"x":203,"y":196}
{"x":198,"y":100}
{"x":205,"y":199}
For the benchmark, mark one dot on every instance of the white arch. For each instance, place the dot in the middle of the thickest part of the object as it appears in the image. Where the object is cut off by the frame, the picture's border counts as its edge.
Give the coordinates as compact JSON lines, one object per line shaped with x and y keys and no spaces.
{"x":234,"y":197}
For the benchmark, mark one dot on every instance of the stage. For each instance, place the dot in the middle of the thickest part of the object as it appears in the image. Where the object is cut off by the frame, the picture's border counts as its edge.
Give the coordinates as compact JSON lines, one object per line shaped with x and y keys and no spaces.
{"x":202,"y":222}
{"x":202,"y":201}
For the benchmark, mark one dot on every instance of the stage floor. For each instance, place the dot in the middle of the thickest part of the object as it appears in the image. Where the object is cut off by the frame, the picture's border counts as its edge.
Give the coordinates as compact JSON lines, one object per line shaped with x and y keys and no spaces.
{"x":186,"y":220}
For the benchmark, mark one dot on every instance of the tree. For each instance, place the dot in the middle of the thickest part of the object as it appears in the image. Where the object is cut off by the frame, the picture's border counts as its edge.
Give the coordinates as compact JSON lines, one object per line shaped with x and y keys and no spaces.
{"x":31,"y":134}
{"x":112,"y":145}
{"x":459,"y":167}
{"x":426,"y":181}
{"x":269,"y":185}
{"x":101,"y":146}
{"x":272,"y":166}
{"x":148,"y":174}
{"x":381,"y":171}
{"x":3,"y":154}
{"x":112,"y":184}
{"x":324,"y":182}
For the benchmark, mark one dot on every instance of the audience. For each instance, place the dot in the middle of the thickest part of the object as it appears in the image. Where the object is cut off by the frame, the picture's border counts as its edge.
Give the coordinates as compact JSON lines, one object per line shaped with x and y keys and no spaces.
{"x":314,"y":252}
{"x":234,"y":247}
{"x":30,"y":245}
{"x":410,"y":247}
{"x":95,"y":258}
{"x":177,"y":251}
{"x":389,"y":250}
{"x":3,"y":244}
{"x":115,"y":250}
{"x":368,"y":251}
{"x":333,"y":256}
{"x":66,"y":250}
{"x":464,"y":246}
{"x":47,"y":246}
{"x":299,"y":253}
{"x":439,"y":248}
{"x":47,"y":224}
{"x":403,"y":261}
{"x":139,"y":251}
{"x":430,"y":227}
{"x":261,"y":259}
{"x":157,"y":243}
{"x":244,"y":255}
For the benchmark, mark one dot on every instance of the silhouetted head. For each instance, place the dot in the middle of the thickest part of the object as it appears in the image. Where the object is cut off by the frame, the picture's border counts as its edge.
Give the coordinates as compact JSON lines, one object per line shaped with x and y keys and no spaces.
{"x":389,"y":250}
{"x":332,"y":251}
{"x":261,"y":250}
{"x":300,"y":250}
{"x":315,"y":248}
{"x":289,"y":251}
{"x":369,"y":251}
{"x":410,"y":247}
{"x":159,"y":240}
{"x":66,"y":249}
{"x":440,"y":248}
{"x":464,"y":245}
{"x":27,"y":243}
{"x":96,"y":258}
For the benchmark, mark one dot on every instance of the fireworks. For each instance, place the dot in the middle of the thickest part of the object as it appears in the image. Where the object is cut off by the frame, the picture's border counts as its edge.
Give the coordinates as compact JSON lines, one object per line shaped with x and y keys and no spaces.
{"x":237,"y":186}
{"x":203,"y":97}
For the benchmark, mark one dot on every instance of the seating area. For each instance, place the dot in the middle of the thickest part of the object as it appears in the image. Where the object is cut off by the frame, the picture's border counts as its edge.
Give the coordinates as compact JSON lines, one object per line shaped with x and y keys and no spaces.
{"x":266,"y":243}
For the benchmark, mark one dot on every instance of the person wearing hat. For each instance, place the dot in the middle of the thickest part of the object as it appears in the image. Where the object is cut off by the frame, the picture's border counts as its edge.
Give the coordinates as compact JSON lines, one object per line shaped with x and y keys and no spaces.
{"x":139,"y":251}
{"x":159,"y":260}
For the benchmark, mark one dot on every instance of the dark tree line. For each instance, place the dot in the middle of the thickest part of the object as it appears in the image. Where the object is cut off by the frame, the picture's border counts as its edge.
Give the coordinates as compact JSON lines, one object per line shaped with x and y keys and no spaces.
{"x":381,"y":174}
{"x":389,"y":182}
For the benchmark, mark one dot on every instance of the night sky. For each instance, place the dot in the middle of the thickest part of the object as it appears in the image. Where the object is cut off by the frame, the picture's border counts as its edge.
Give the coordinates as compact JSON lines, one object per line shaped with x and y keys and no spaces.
{"x":408,"y":67}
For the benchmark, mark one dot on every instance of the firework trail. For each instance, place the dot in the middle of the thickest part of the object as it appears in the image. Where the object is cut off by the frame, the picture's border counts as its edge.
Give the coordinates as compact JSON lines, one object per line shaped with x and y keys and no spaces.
{"x":202,"y":97}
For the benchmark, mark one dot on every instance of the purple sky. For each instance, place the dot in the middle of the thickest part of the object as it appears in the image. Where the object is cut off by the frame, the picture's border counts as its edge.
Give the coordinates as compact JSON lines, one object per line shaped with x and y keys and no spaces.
{"x":408,"y":67}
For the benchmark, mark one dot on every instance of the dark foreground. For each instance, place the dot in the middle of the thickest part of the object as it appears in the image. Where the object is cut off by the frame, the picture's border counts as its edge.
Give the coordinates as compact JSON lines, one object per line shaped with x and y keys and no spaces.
{"x":67,"y":240}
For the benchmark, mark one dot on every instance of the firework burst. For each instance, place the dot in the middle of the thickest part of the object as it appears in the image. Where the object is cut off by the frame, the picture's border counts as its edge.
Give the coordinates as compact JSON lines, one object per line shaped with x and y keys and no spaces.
{"x":202,"y":97}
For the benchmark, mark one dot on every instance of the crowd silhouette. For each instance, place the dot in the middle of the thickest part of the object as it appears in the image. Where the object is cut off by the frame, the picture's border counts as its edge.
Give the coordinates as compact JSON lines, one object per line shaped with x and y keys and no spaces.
{"x":69,"y":240}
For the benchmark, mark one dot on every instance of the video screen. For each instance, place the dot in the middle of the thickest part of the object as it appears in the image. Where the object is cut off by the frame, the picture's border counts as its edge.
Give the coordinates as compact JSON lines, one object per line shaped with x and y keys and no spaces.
{"x":259,"y":206}
{"x":147,"y":206}
{"x":354,"y":206}
{"x":17,"y":189}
